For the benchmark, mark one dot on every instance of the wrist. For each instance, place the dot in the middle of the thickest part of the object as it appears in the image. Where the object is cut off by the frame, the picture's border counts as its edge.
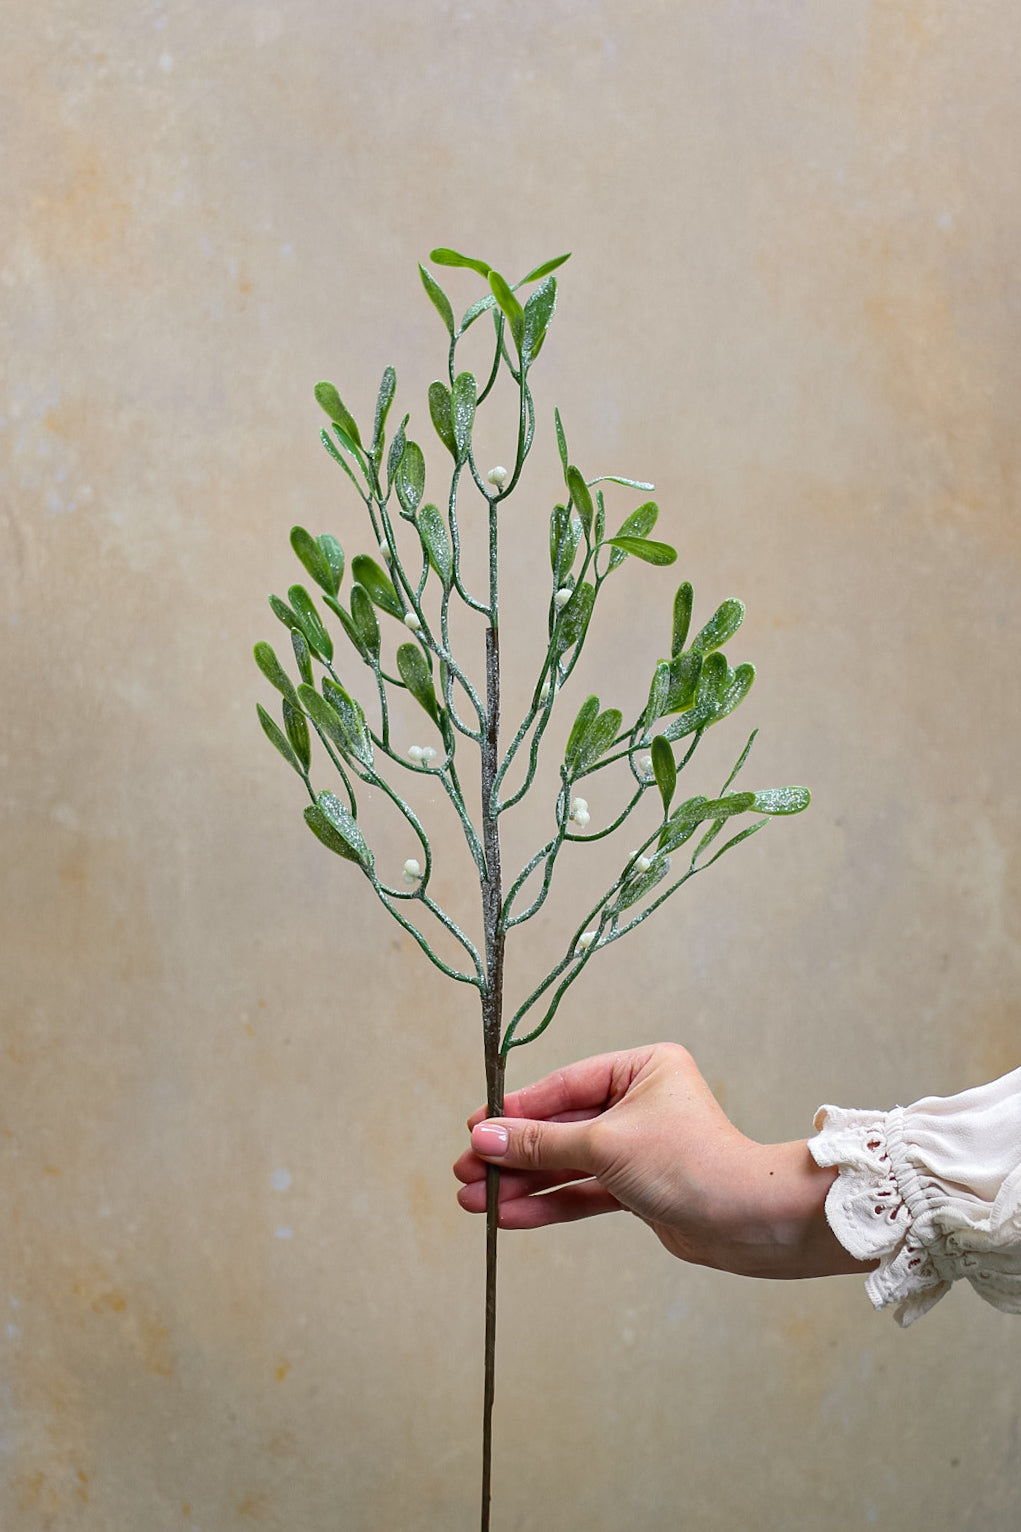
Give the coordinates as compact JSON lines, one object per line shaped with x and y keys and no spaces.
{"x":788,"y":1227}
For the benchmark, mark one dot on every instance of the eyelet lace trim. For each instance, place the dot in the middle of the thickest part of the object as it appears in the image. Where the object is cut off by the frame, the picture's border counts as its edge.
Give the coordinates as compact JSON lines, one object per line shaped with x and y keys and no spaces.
{"x":883,"y":1208}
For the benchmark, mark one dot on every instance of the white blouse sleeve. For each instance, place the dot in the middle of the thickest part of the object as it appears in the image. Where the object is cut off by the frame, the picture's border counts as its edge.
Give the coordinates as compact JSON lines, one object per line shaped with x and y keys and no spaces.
{"x":933,"y":1192}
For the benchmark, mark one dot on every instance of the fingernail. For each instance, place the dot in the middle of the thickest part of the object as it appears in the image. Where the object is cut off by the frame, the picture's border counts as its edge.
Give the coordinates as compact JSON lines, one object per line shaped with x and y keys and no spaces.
{"x":489,"y":1138}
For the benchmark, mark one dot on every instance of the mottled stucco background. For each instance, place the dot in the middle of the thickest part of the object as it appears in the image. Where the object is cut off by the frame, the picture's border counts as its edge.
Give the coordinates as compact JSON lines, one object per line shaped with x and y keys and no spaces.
{"x":236,"y":1289}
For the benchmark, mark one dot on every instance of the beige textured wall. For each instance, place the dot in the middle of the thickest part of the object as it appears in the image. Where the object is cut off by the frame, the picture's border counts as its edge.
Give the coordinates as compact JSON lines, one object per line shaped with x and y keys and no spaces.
{"x":236,"y":1290}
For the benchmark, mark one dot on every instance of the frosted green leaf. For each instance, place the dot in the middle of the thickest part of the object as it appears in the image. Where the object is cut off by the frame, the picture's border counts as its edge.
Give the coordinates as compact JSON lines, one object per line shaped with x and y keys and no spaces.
{"x":587,"y":715}
{"x":636,"y":888}
{"x":538,"y":314}
{"x":345,"y":825}
{"x":281,"y":610}
{"x":639,"y":524}
{"x":297,"y":733}
{"x":347,"y":624}
{"x":277,"y":739}
{"x":580,"y":496}
{"x":545,"y":269}
{"x":319,"y":641}
{"x":736,"y":839}
{"x":682,"y":616}
{"x":648,"y":552}
{"x":441,"y":416}
{"x":682,"y":824}
{"x":338,"y":457}
{"x":509,"y":306}
{"x":599,"y":529}
{"x":738,"y":685}
{"x":615,"y":478}
{"x":444,"y":257}
{"x":664,"y":769}
{"x":384,"y":399}
{"x":782,"y":800}
{"x":561,"y":442}
{"x":438,"y":297}
{"x":413,"y":669}
{"x":599,"y":736}
{"x":363,"y":617}
{"x":409,"y":480}
{"x":352,"y":717}
{"x":433,"y":532}
{"x":396,"y":452}
{"x":276,"y":675}
{"x":324,"y":717}
{"x":313,"y":558}
{"x":329,"y":399}
{"x":720,"y":628}
{"x":324,"y":831}
{"x":378,"y":584}
{"x":574,"y":619}
{"x":685,"y":670}
{"x":471,"y":314}
{"x":303,"y":658}
{"x":565,"y":535}
{"x":333,"y":553}
{"x":658,"y":693}
{"x":462,"y":405}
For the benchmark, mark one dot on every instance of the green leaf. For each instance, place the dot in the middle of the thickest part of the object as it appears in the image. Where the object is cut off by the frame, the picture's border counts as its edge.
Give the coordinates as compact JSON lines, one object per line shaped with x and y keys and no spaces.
{"x":384,"y":399}
{"x":637,"y":888}
{"x":587,"y":715}
{"x":736,"y":839}
{"x":649,"y":552}
{"x":442,"y":418}
{"x":580,"y":496}
{"x":472,"y":313}
{"x":782,"y":800}
{"x":325,"y":717}
{"x":274,"y":672}
{"x":738,"y":685}
{"x":741,"y":759}
{"x":564,"y":537}
{"x":685,"y":670}
{"x":325,"y":438}
{"x":639,"y":524}
{"x":574,"y":619}
{"x":598,"y":739}
{"x":433,"y":532}
{"x":348,"y":626}
{"x":615,"y":478}
{"x":313,"y":558}
{"x":413,"y":670}
{"x":545,"y":269}
{"x":329,"y":399}
{"x":299,"y":643}
{"x":319,"y":641}
{"x":410,"y":478}
{"x":683,"y":823}
{"x":363,"y":617}
{"x":378,"y":584}
{"x":664,"y":769}
{"x":561,"y":442}
{"x":323,"y":830}
{"x":538,"y":314}
{"x":462,"y":405}
{"x":599,"y":530}
{"x":720,"y":691}
{"x":282,"y":610}
{"x":720,"y":628}
{"x":682,"y":616}
{"x":444,"y":257}
{"x":297,"y":733}
{"x":658,"y":693}
{"x":334,"y":556}
{"x":345,"y":825}
{"x":509,"y":305}
{"x":439,"y":298}
{"x":396,"y":452}
{"x":352,"y":718}
{"x":276,"y":738}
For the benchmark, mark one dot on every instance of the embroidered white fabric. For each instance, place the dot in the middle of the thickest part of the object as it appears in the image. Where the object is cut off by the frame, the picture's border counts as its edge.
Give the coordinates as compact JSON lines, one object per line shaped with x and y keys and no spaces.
{"x":933,"y":1192}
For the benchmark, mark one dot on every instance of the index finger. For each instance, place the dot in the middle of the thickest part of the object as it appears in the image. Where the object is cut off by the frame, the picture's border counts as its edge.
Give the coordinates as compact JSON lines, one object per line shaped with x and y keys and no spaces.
{"x":577,"y":1091}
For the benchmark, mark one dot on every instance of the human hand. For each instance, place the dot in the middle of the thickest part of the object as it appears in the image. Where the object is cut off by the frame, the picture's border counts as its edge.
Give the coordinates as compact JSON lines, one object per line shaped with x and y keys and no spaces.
{"x":641,"y":1131}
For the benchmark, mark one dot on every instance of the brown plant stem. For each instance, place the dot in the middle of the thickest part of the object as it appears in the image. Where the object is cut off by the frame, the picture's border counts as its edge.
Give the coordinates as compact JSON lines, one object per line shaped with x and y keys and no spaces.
{"x":492,"y":1017}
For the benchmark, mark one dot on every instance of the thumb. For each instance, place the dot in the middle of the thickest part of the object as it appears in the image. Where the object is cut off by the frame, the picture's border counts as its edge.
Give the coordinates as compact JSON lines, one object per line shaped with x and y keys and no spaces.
{"x":528,"y":1144}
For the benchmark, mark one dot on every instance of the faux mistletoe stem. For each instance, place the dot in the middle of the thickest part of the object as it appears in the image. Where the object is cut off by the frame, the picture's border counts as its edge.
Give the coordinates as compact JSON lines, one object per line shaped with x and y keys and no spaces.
{"x":492,"y":1019}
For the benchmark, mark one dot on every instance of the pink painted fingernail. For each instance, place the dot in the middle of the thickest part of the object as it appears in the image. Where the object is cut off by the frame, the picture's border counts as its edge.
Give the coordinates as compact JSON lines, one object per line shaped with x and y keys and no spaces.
{"x":489,"y":1138}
